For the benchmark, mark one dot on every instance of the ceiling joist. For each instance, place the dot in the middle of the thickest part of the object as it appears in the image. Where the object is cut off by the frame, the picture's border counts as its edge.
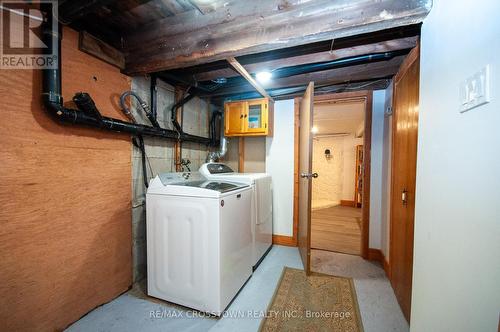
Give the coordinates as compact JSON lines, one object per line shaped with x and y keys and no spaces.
{"x":245,"y":27}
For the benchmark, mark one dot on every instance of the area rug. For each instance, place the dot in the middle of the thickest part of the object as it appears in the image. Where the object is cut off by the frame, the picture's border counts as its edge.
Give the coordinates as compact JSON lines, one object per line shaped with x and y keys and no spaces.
{"x":317,"y":302}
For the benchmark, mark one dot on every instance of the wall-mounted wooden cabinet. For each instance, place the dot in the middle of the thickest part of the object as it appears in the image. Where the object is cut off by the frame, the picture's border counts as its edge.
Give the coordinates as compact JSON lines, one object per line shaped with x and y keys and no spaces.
{"x":249,"y":117}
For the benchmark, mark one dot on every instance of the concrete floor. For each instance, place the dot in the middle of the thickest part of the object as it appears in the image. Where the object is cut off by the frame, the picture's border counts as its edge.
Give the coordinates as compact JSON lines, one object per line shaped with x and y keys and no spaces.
{"x":133,"y":311}
{"x":379,"y":308}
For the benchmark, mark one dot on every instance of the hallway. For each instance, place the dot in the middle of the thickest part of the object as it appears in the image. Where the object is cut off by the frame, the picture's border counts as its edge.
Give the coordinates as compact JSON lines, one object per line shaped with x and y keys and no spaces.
{"x":337,"y":229}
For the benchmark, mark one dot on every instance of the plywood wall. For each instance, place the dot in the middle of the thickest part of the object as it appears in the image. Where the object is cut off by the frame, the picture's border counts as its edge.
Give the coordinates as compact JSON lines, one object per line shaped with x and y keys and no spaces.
{"x":65,"y":191}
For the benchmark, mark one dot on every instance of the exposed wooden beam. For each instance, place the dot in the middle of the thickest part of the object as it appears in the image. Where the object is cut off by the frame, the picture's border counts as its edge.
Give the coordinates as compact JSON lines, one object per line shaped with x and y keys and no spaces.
{"x":245,"y":27}
{"x":101,"y":50}
{"x":351,"y":42}
{"x":75,"y":9}
{"x":387,"y":46}
{"x":240,"y":69}
{"x":332,"y":76}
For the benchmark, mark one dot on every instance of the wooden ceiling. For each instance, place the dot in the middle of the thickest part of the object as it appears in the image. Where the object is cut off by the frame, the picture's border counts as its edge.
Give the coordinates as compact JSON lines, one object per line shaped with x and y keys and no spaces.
{"x":187,"y":42}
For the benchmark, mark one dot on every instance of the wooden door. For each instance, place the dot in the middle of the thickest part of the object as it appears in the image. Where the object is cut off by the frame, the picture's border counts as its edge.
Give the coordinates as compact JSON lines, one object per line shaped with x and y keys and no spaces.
{"x":305,"y":176}
{"x":404,"y":162}
{"x":233,"y":115}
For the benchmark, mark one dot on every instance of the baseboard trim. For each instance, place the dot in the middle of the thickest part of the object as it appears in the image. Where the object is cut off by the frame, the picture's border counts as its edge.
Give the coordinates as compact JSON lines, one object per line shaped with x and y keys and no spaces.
{"x":387,"y":269}
{"x":347,"y":203}
{"x":375,"y":255}
{"x":284,"y":240}
{"x":378,"y":255}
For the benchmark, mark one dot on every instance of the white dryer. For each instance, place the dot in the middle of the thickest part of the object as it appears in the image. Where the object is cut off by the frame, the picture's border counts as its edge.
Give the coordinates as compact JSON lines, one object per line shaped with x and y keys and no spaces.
{"x":198,"y":240}
{"x":262,"y":204}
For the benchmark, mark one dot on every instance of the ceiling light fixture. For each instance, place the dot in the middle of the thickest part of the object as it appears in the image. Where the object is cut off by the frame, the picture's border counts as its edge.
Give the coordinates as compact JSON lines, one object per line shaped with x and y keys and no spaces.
{"x":263,"y":76}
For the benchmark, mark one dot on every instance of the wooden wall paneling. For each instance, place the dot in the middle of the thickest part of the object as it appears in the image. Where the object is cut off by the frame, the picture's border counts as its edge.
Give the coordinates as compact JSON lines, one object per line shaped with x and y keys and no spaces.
{"x":65,"y":238}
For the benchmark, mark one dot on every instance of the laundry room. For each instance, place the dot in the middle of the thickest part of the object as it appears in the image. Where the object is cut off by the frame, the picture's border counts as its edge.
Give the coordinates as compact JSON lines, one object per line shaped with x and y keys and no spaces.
{"x":264,"y":165}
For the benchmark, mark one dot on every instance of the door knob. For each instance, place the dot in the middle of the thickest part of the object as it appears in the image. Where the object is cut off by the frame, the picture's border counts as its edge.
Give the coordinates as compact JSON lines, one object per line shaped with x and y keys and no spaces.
{"x":308,"y":175}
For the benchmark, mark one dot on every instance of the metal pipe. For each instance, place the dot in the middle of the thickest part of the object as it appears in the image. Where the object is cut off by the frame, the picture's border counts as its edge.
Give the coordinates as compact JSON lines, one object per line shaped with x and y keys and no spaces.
{"x":143,"y":105}
{"x":318,"y":66}
{"x":153,"y":90}
{"x":53,"y":102}
{"x":338,"y":63}
{"x":216,"y":155}
{"x":173,"y":113}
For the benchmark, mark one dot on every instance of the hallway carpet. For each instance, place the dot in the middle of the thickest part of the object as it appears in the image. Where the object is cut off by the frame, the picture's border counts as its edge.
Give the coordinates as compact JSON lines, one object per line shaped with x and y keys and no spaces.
{"x":317,"y":302}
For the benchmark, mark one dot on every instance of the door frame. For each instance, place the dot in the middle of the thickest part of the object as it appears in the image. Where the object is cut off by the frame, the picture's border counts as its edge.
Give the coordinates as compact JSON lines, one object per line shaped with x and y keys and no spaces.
{"x":367,"y":97}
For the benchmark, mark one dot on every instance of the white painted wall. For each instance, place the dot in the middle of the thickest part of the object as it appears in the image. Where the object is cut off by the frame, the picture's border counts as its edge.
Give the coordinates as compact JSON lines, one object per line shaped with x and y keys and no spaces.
{"x":456,"y":275}
{"x":280,"y":164}
{"x":376,"y":169}
{"x":386,"y":176}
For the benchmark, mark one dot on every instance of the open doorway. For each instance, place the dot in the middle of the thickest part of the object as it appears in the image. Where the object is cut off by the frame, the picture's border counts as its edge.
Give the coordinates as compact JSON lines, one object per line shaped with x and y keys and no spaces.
{"x":339,"y":208}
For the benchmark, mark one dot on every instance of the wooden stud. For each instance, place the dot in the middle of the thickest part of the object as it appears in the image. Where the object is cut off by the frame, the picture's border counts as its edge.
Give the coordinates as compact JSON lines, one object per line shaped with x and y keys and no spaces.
{"x":243,"y":72}
{"x":241,"y":154}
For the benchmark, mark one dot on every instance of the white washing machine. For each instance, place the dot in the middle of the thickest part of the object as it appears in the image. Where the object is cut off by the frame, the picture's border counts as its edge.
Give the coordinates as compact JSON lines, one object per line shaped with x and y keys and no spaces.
{"x":262,"y":204}
{"x":198,"y":240}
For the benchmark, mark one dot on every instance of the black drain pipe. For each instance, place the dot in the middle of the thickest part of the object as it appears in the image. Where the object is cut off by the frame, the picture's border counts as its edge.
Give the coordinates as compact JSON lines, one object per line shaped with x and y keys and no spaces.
{"x":153,"y":90}
{"x":173,"y":112}
{"x":53,"y":101}
{"x":337,"y":63}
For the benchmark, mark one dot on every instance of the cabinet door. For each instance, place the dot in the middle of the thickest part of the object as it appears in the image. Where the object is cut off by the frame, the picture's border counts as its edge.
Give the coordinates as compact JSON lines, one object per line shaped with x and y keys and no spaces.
{"x":233,"y":116}
{"x":255,"y":117}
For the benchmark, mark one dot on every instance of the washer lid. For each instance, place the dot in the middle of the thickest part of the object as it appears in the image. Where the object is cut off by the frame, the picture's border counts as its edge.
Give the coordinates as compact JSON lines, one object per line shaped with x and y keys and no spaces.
{"x":222,"y":172}
{"x":192,"y":184}
{"x":218,"y":168}
{"x":222,"y":187}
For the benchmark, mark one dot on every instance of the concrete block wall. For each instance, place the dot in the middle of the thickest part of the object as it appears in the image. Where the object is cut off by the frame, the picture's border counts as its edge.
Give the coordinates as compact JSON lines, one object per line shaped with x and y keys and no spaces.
{"x":337,"y":174}
{"x":160,"y":155}
{"x":327,"y":188}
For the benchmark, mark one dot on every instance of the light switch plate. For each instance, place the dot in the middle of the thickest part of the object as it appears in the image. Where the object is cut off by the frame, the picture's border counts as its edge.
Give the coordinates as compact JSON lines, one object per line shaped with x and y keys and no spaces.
{"x":475,"y":90}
